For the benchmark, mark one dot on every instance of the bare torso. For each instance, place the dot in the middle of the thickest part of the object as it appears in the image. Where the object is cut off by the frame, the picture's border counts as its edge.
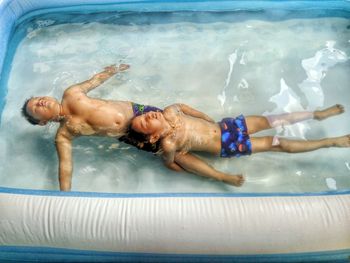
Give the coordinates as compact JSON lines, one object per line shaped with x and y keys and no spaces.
{"x":89,"y":116}
{"x":191,"y":133}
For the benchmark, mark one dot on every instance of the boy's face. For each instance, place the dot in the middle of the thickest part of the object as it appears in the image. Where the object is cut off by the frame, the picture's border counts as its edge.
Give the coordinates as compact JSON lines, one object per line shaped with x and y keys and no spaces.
{"x":148,"y":123}
{"x":43,"y":108}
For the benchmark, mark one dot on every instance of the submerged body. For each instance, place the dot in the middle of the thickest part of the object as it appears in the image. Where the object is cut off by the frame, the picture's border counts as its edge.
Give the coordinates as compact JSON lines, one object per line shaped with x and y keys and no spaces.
{"x":190,"y":133}
{"x":195,"y":134}
{"x":180,"y":131}
{"x":81,"y":115}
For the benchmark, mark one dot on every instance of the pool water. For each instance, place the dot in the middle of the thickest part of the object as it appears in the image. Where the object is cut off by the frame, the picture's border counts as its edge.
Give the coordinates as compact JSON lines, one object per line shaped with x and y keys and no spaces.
{"x":222,"y":63}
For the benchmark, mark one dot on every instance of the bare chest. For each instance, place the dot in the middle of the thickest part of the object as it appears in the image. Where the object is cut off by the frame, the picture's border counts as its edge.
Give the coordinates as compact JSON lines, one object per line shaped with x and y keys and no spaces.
{"x":77,"y":127}
{"x":198,"y":135}
{"x":98,"y":124}
{"x":98,"y":118}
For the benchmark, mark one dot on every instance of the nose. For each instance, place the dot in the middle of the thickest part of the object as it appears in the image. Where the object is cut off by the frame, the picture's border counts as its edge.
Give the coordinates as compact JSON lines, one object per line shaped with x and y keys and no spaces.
{"x":41,"y":102}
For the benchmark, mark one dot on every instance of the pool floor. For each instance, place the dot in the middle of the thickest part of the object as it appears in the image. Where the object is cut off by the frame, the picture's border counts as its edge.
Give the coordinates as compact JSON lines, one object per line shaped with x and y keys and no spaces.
{"x":218,"y":63}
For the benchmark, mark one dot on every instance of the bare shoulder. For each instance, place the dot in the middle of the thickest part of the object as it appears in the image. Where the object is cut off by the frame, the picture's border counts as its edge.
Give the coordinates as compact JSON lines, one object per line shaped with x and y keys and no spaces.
{"x":63,"y":134}
{"x":74,"y":90}
{"x":73,"y":93}
{"x":173,"y":107}
{"x":172,"y":110}
{"x":168,"y":145}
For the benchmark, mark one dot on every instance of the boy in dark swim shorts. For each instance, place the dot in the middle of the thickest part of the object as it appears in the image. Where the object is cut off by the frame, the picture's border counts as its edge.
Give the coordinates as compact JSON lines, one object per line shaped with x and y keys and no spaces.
{"x":235,"y":140}
{"x":180,"y":129}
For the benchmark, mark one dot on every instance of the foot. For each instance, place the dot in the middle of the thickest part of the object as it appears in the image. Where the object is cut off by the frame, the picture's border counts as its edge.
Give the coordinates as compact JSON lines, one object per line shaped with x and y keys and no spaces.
{"x":343,"y":141}
{"x":236,"y":180}
{"x":331,"y":111}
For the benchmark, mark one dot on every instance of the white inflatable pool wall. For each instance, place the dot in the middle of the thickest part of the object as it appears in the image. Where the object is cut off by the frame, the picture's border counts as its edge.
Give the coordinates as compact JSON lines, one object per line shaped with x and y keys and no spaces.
{"x":50,"y":226}
{"x":197,"y":224}
{"x":176,"y":224}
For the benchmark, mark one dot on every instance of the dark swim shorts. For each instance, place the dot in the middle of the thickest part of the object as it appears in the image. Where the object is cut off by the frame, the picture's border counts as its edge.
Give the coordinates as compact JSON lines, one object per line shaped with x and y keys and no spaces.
{"x":140,"y":109}
{"x":235,"y":139}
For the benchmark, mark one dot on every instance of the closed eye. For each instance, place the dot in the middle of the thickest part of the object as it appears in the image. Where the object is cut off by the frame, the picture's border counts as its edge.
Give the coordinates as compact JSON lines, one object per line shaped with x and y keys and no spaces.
{"x":143,"y":124}
{"x":34,"y":108}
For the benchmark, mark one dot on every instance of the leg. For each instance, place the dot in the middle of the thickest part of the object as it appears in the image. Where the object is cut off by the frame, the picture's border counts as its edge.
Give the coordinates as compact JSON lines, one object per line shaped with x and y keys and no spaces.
{"x":331,"y":111}
{"x":259,"y":123}
{"x":197,"y":166}
{"x":256,"y":124}
{"x":269,"y":143}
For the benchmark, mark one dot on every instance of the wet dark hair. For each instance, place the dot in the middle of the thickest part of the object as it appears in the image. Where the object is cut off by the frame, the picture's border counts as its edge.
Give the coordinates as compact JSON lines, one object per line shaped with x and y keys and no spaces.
{"x":26,"y":115}
{"x":140,"y":141}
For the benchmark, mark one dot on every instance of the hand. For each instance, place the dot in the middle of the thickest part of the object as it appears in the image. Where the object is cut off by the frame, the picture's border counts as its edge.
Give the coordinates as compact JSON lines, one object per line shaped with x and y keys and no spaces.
{"x":112,"y":69}
{"x":123,"y":67}
{"x":235,"y":180}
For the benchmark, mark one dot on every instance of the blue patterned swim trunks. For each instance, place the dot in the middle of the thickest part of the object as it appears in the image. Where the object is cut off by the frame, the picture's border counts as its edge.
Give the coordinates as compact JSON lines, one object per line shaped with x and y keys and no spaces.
{"x":235,"y":140}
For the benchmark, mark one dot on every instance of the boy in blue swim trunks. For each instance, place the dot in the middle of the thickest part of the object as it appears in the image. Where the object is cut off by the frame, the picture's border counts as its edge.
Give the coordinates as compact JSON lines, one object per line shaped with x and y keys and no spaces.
{"x":180,"y":129}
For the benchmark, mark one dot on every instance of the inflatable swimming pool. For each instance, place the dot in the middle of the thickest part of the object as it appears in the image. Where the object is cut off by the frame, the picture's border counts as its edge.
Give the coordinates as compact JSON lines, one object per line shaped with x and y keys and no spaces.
{"x":52,"y":226}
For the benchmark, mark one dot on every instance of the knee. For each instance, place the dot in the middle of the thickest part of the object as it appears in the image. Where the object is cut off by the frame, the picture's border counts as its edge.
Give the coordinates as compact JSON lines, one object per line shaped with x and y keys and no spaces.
{"x":285,"y":146}
{"x":267,"y":143}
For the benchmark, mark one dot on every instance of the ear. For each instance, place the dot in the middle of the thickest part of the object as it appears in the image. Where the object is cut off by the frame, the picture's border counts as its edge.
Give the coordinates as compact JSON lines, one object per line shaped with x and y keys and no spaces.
{"x":154,"y":138}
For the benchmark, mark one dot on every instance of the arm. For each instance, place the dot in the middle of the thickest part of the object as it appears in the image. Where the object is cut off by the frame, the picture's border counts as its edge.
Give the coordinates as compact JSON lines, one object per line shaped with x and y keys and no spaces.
{"x":195,"y":165}
{"x":193,"y":112}
{"x":64,"y":151}
{"x":99,"y":78}
{"x":169,"y":152}
{"x":192,"y":164}
{"x":175,"y":167}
